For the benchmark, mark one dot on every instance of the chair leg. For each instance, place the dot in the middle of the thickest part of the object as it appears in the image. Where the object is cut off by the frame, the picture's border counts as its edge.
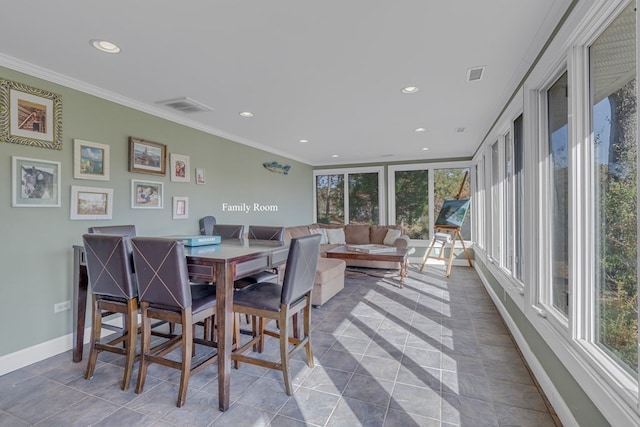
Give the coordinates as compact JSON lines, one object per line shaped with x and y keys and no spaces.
{"x":146,"y":346}
{"x":187,"y":353}
{"x":96,"y":327}
{"x":284,"y":353}
{"x":131,"y":320}
{"x":307,"y":333}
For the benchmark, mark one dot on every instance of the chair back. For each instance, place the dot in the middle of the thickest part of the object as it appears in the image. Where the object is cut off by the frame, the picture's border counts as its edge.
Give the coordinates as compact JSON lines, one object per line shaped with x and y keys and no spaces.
{"x":206,"y":225}
{"x":118,"y":230}
{"x":301,"y":267}
{"x":109,"y":265}
{"x":228,"y":231}
{"x":263,"y":232}
{"x":161,"y":267}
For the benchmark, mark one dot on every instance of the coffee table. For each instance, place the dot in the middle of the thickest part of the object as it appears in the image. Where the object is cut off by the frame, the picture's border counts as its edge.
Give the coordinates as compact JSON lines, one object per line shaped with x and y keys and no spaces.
{"x":393,"y":255}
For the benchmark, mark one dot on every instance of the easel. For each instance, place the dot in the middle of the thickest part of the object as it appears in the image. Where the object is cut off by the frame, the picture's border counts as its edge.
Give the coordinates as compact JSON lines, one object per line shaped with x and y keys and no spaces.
{"x":447,"y":234}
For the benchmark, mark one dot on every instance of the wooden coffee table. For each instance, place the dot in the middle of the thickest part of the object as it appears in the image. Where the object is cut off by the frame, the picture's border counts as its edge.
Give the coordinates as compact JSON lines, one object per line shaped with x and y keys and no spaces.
{"x":393,"y":255}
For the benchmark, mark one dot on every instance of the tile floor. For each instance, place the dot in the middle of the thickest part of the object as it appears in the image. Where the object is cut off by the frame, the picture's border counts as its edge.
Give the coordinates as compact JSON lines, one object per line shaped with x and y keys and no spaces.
{"x":434,"y":353}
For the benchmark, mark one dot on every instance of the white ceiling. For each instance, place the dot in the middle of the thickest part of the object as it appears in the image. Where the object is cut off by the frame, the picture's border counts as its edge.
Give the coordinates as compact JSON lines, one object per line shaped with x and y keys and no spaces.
{"x":327,"y":71}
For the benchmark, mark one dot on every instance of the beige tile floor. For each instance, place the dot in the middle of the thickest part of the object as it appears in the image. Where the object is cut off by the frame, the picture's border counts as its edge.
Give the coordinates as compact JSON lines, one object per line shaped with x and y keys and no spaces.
{"x":434,"y":353}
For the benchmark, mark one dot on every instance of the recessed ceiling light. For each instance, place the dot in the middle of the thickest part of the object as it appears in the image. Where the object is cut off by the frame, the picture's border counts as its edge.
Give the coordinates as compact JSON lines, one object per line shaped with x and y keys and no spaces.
{"x":105,"y":46}
{"x":460,"y":130}
{"x":410,"y":89}
{"x":419,"y":130}
{"x":334,"y":155}
{"x":304,"y":141}
{"x":246,"y":114}
{"x":425,"y":148}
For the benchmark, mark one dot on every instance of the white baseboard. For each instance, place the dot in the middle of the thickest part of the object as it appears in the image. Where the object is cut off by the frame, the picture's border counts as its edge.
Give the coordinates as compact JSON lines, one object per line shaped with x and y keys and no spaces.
{"x":27,"y":356}
{"x":550,"y":391}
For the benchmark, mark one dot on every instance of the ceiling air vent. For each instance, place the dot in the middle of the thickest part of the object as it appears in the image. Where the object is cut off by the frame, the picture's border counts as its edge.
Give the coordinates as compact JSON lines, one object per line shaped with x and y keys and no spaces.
{"x":475,"y":74}
{"x":185,"y":105}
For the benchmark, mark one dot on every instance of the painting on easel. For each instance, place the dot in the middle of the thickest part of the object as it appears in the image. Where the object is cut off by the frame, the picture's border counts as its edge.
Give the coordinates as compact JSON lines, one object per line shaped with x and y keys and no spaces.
{"x":453,"y":213}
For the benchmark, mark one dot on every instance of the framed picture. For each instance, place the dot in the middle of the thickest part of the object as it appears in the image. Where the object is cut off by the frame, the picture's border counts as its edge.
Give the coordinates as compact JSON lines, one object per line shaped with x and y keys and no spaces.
{"x":30,"y":116}
{"x":180,"y":207}
{"x":146,"y":194}
{"x":35,"y":183}
{"x":90,"y":160}
{"x":91,"y":203}
{"x":179,"y":168}
{"x":201,"y":177}
{"x":147,"y":157}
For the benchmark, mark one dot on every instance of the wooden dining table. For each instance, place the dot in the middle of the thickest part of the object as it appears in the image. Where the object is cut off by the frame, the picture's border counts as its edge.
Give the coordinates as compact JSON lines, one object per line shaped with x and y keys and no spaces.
{"x":222,"y":264}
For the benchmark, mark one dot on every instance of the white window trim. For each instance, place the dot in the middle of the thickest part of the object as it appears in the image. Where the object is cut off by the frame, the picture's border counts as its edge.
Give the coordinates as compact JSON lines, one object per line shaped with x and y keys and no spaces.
{"x":431,"y":167}
{"x":346,"y":172}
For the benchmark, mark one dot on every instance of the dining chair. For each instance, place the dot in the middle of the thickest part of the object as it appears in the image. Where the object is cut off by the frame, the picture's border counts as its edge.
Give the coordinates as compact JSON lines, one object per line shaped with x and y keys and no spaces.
{"x":165,"y":293}
{"x":228,"y":231}
{"x":266,"y":233}
{"x":119,"y":230}
{"x":206,"y":225}
{"x":272,"y":301}
{"x":114,"y":290}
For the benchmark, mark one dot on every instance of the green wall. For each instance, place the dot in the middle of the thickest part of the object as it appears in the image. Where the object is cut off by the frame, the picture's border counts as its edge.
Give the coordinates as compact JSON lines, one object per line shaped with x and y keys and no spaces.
{"x":36,"y":255}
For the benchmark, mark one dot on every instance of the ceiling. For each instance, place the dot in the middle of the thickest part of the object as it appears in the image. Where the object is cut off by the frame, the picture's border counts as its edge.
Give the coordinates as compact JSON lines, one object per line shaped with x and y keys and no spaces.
{"x":330,"y":72}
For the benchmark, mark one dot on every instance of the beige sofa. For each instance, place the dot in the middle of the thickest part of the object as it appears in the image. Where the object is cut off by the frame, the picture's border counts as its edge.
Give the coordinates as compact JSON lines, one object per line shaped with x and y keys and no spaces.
{"x":329,"y":278}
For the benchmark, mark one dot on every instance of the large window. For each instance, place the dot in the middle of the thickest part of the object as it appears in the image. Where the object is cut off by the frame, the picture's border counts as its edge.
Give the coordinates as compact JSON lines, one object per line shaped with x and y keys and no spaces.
{"x":557,"y":119}
{"x":418,"y":191}
{"x":614,"y":148}
{"x":518,"y":197}
{"x":349,"y":196}
{"x":412,"y":202}
{"x":495,"y":201}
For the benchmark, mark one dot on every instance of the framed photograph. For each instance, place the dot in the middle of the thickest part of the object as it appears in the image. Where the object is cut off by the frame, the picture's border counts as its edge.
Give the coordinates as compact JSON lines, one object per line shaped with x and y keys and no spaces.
{"x":180,"y":207}
{"x":35,"y":183}
{"x":179,"y":168}
{"x":90,"y":160}
{"x":201,"y":177}
{"x":146,"y":194}
{"x":91,"y":203}
{"x":30,"y":116}
{"x":147,"y":157}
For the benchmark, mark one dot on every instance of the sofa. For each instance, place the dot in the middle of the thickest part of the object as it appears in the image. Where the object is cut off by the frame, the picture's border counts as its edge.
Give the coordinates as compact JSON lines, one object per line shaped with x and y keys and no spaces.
{"x":329,"y":279}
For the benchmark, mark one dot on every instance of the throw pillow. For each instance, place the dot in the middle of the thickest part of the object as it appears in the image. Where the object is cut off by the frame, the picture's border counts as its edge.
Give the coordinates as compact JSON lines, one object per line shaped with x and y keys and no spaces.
{"x":391,"y":237}
{"x":335,"y":236}
{"x":323,"y":235}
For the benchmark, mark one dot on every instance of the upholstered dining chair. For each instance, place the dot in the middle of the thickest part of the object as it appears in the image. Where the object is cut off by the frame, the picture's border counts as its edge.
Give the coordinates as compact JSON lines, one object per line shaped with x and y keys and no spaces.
{"x":206,"y":225}
{"x":229,"y":231}
{"x":272,"y":301}
{"x":119,"y":230}
{"x":268,"y":233}
{"x":166,"y":294}
{"x":114,"y":289}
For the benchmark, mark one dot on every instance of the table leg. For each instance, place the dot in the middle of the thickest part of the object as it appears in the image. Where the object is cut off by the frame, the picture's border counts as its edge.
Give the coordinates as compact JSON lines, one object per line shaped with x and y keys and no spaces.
{"x":224,"y":314}
{"x":80,"y":291}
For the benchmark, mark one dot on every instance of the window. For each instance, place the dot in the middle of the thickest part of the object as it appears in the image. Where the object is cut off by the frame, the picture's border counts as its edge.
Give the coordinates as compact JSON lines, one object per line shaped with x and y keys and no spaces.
{"x":349,"y":196}
{"x":507,"y":253}
{"x":558,"y":146}
{"x":518,"y":193}
{"x":495,"y":201}
{"x":330,"y":199}
{"x":614,"y":150}
{"x":412,"y":202}
{"x":417,"y":191}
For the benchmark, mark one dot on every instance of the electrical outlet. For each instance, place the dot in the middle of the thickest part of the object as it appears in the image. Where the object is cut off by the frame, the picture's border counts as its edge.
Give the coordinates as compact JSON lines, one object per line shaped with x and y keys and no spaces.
{"x":62,"y":306}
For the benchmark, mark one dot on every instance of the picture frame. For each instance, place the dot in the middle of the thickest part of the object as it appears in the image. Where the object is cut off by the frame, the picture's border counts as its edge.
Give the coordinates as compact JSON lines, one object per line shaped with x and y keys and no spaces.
{"x":179,"y":168}
{"x":35,"y":183}
{"x":30,"y":116}
{"x":453,"y":213}
{"x":90,"y":160}
{"x":180,"y":207}
{"x":91,"y":203}
{"x":201,"y":176}
{"x":147,"y":157}
{"x":146,"y":194}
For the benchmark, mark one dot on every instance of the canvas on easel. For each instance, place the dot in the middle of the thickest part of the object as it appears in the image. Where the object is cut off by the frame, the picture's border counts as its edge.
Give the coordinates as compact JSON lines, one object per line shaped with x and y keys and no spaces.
{"x":447,"y":229}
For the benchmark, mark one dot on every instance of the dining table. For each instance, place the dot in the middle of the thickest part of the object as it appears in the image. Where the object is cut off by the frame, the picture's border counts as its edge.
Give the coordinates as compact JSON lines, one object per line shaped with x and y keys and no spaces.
{"x":222,"y":264}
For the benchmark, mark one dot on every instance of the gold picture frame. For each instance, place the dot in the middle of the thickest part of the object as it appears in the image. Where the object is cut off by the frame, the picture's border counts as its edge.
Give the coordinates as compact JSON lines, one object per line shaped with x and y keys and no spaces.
{"x":147,"y":157}
{"x":30,"y":116}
